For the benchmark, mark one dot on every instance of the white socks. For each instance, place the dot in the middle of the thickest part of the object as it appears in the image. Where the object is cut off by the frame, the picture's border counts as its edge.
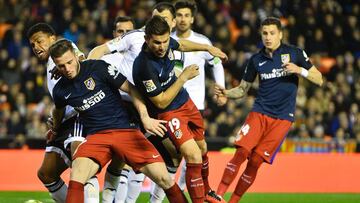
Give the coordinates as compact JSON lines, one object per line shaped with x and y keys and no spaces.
{"x":110,"y":185}
{"x":91,"y":191}
{"x":58,"y":190}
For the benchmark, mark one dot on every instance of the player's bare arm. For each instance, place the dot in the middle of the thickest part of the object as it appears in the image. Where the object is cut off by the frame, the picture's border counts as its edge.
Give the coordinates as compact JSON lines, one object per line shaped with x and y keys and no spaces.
{"x":98,"y":52}
{"x":234,"y":93}
{"x":164,"y":99}
{"x":151,"y":125}
{"x":186,"y":46}
{"x":313,"y":74}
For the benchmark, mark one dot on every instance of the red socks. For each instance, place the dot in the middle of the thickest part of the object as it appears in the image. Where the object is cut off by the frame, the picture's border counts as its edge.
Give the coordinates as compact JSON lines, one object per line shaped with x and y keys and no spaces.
{"x":247,"y":178}
{"x":175,"y":195}
{"x":75,"y":192}
{"x":194,"y":182}
{"x":231,"y":170}
{"x":205,"y":173}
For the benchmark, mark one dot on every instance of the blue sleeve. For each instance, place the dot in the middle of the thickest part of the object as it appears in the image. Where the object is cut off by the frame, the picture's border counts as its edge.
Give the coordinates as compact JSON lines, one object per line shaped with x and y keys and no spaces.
{"x":250,"y":71}
{"x":173,"y":44}
{"x":110,"y":73}
{"x":58,"y":98}
{"x":302,"y":59}
{"x":148,"y":81}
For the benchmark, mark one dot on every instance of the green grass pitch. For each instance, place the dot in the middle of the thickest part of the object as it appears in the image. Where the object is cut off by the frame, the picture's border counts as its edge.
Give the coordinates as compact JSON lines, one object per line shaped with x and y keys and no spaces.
{"x":22,"y":197}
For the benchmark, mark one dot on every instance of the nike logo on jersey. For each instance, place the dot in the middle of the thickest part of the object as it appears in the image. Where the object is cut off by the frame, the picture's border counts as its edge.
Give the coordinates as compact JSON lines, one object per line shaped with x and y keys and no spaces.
{"x":262,"y":63}
{"x":155,"y":156}
{"x":67,"y":96}
{"x":196,"y":179}
{"x":266,"y":153}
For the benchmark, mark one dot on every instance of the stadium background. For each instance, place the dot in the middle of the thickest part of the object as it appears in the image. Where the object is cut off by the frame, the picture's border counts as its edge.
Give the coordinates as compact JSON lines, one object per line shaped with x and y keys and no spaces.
{"x":328,"y":118}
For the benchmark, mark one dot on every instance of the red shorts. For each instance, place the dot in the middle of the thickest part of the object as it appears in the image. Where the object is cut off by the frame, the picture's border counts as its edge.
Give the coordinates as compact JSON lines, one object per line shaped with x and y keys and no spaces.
{"x":262,"y":134}
{"x":184,"y":123}
{"x":130,"y":145}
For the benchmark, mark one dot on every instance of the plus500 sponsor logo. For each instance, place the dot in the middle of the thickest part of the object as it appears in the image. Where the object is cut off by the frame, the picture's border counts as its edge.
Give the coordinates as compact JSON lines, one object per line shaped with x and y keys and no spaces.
{"x":91,"y":101}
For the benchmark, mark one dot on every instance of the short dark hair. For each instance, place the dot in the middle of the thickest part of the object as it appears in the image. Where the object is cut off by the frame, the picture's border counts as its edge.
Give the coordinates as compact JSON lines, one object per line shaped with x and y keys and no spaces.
{"x":40,"y":27}
{"x":186,"y":4}
{"x":165,"y":6}
{"x":156,"y":26}
{"x":272,"y":21}
{"x":60,"y":47}
{"x":122,"y":19}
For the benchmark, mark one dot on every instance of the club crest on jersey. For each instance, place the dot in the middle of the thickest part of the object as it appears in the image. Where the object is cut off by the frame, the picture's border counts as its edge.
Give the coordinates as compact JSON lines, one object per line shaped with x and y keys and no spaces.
{"x":90,"y":84}
{"x":178,"y":134}
{"x":149,"y":85}
{"x":285,"y":58}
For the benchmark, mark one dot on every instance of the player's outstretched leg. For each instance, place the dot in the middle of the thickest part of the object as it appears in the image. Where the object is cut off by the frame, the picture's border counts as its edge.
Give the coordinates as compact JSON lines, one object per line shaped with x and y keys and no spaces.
{"x":49,"y":174}
{"x":231,"y":170}
{"x":247,"y":178}
{"x":157,"y":172}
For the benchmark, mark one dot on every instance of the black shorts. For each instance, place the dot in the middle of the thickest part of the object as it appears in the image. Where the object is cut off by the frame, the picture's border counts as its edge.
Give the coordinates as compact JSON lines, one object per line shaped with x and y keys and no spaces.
{"x":69,"y":131}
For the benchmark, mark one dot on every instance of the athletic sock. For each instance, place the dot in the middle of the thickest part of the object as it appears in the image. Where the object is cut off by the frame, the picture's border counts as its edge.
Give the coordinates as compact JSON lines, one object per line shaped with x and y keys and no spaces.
{"x":194,"y":182}
{"x":134,"y":186}
{"x":175,"y":195}
{"x":110,"y":185}
{"x":75,"y":192}
{"x":205,"y":173}
{"x":57,"y":190}
{"x":122,"y":189}
{"x":247,"y":178}
{"x":231,"y":170}
{"x":182,"y":179}
{"x":91,"y":190}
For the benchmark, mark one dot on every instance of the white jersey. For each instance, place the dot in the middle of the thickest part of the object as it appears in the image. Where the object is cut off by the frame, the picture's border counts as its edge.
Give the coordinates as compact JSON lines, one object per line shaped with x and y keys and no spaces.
{"x":69,"y":111}
{"x":129,"y":45}
{"x":117,"y":59}
{"x":196,"y":86}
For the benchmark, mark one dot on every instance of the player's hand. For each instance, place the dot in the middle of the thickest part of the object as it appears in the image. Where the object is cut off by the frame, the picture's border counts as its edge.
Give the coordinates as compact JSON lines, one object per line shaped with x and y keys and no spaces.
{"x":291,"y":68}
{"x":154,"y":126}
{"x":219,"y":97}
{"x":55,"y":73}
{"x":220,"y":100}
{"x":219,"y":91}
{"x":217,"y":53}
{"x":50,"y":135}
{"x":189,"y":72}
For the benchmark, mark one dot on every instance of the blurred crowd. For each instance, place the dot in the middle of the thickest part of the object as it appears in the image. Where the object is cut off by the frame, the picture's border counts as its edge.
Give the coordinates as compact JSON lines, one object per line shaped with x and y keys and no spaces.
{"x":328,"y":30}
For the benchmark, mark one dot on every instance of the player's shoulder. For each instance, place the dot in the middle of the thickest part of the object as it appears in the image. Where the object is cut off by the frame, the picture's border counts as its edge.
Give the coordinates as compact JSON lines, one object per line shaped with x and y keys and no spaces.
{"x":201,"y":38}
{"x":290,"y":47}
{"x":60,"y":85}
{"x":134,"y":33}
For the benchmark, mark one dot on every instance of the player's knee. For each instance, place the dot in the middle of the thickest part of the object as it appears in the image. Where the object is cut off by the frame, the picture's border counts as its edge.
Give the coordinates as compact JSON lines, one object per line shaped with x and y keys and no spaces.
{"x":255,"y":160}
{"x":203,"y":148}
{"x":193,"y":156}
{"x":165,"y":181}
